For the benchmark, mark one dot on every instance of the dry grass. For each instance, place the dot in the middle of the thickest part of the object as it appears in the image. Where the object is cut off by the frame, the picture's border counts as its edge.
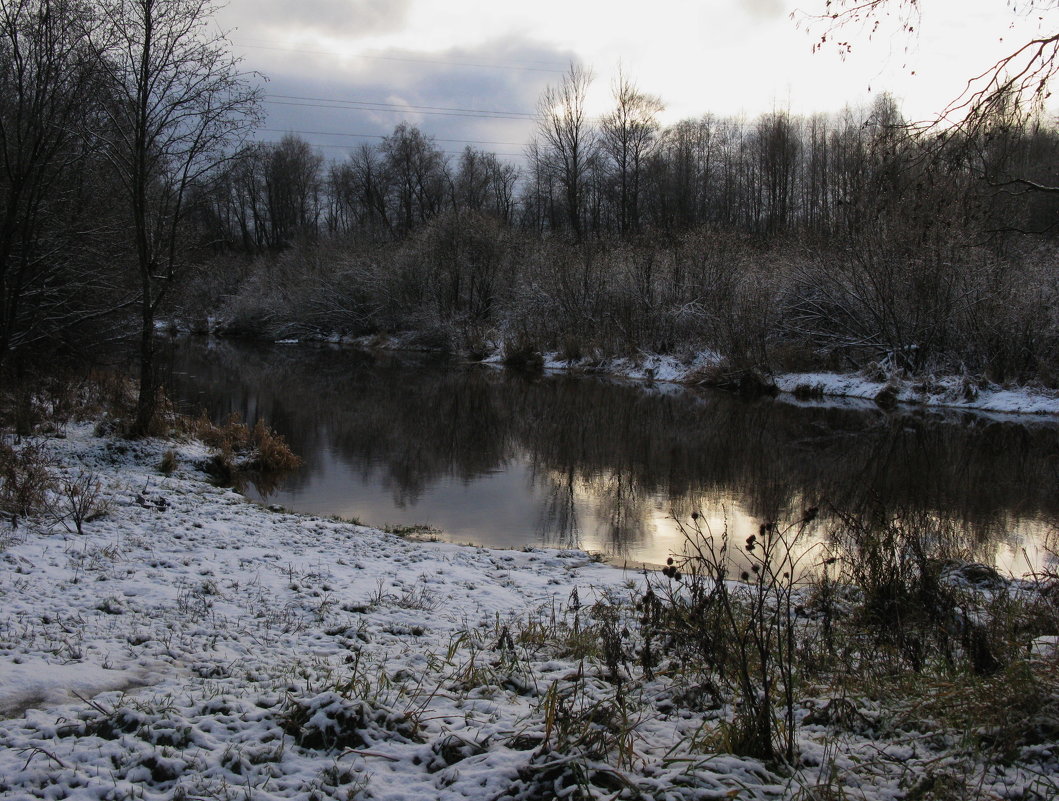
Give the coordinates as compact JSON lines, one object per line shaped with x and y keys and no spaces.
{"x":169,"y":463}
{"x":273,"y":452}
{"x":241,"y":449}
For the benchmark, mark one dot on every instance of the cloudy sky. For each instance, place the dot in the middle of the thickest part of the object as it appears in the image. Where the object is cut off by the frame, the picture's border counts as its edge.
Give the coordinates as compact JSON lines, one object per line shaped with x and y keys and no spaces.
{"x":470,"y":71}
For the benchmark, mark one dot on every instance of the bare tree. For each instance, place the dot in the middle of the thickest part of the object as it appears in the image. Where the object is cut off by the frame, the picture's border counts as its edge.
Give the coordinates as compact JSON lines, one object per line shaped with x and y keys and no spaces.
{"x":246,"y":181}
{"x":292,"y":189}
{"x":538,"y":196}
{"x":627,"y":135}
{"x":483,"y":183}
{"x":777,"y":146}
{"x":47,"y":69}
{"x":816,"y":176}
{"x":470,"y":185}
{"x":680,"y":172}
{"x":418,"y":171}
{"x":503,"y":178}
{"x":568,"y":140}
{"x":359,"y":189}
{"x":1023,"y":72}
{"x":179,"y":103}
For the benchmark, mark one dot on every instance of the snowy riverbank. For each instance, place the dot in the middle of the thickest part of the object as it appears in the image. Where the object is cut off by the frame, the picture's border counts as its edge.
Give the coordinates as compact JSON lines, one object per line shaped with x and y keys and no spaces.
{"x":948,"y":391}
{"x":193,"y":645}
{"x":188,"y":618}
{"x":953,"y":392}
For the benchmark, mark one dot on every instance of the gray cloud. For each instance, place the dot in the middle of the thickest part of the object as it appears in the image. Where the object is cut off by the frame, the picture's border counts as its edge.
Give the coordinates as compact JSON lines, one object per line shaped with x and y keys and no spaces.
{"x":348,"y":18}
{"x":507,"y":76}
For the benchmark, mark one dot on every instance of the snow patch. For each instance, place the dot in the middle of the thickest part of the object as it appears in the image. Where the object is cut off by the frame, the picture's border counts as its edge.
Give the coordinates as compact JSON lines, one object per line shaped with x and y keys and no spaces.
{"x":951,"y":391}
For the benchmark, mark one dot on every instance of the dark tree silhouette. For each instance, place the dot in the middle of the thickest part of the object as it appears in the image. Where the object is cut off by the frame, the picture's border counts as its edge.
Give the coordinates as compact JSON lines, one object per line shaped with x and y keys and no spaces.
{"x":179,"y":103}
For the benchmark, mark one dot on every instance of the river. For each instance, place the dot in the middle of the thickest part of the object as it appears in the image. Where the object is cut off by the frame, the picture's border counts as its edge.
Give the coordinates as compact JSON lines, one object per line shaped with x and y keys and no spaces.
{"x":494,"y":457}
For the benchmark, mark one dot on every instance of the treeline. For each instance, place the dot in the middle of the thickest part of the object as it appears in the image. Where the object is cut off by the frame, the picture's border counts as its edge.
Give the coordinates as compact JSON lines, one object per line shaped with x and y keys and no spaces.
{"x":783,"y":242}
{"x":824,"y":177}
{"x":128,"y":193}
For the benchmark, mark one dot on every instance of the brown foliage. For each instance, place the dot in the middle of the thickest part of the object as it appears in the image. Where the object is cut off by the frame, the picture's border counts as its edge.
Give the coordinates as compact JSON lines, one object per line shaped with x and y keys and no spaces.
{"x":241,"y":448}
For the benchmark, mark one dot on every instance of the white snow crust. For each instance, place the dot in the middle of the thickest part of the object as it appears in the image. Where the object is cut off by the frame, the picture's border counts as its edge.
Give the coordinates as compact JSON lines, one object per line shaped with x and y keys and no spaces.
{"x":952,"y":392}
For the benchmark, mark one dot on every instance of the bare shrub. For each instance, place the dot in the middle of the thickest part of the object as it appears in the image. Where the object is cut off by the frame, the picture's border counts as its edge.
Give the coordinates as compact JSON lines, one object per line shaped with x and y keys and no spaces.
{"x":20,"y":409}
{"x":109,"y":393}
{"x":82,"y":501}
{"x":26,"y":478}
{"x":1011,"y":329}
{"x":110,"y":398}
{"x":741,"y":635}
{"x":895,"y":560}
{"x":469,"y":255}
{"x":522,"y":353}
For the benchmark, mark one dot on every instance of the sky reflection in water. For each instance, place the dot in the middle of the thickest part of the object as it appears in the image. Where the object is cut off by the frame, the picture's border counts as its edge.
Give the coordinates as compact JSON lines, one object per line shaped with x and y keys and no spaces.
{"x":496,"y":458}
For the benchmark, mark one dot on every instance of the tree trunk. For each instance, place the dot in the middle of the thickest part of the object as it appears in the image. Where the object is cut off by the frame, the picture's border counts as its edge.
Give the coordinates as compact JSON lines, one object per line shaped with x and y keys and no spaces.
{"x":147,"y":399}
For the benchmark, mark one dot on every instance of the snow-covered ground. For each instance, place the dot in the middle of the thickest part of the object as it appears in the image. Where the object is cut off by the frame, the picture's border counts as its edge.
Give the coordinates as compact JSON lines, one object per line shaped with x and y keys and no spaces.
{"x":193,"y":645}
{"x":190,"y":620}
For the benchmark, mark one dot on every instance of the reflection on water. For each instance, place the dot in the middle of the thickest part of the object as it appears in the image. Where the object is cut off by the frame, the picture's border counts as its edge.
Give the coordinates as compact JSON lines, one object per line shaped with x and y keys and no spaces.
{"x":504,"y":459}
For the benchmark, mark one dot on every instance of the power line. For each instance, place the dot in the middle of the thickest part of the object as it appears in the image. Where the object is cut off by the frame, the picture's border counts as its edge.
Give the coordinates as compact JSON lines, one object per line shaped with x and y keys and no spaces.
{"x":346,"y":147}
{"x":481,"y":116}
{"x":404,"y":106}
{"x":470,"y":64}
{"x":382,"y":136}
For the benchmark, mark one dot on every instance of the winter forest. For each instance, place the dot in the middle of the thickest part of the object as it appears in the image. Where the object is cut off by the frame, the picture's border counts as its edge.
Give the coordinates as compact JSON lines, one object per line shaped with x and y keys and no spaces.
{"x":779,"y":242}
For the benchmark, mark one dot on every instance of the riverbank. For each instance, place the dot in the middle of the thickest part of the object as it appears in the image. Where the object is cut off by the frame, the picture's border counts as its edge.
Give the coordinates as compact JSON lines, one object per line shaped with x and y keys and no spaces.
{"x":706,"y":368}
{"x":190,"y":644}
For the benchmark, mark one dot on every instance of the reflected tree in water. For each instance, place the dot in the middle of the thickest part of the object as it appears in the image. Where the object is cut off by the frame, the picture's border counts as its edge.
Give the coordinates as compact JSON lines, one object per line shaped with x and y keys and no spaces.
{"x":607,"y":459}
{"x":558,"y":525}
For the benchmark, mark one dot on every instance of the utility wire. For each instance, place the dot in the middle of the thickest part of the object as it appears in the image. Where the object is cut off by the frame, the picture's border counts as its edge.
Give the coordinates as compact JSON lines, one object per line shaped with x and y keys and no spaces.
{"x":403,"y":106}
{"x":347,"y":147}
{"x":383,"y":136}
{"x":481,"y":116}
{"x":470,"y":64}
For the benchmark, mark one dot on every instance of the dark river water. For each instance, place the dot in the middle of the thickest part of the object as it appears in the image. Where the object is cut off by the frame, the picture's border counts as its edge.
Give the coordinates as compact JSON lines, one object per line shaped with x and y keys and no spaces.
{"x":492,"y":457}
